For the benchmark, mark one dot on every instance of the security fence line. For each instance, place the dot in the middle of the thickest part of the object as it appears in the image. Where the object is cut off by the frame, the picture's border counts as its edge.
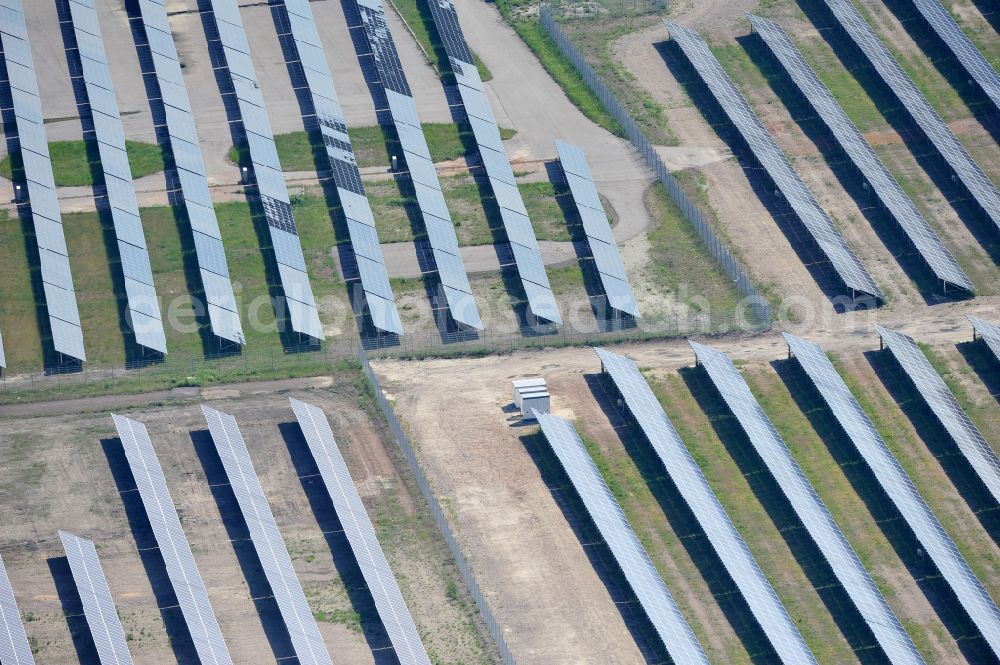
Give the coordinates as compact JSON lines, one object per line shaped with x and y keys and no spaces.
{"x":716,"y":248}
{"x":439,"y":517}
{"x":31,"y":383}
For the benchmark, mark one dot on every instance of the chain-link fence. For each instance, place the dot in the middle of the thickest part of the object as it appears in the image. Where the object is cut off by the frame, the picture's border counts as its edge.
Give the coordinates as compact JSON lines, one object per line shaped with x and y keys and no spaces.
{"x":607,"y":8}
{"x":439,"y":517}
{"x":176,"y":370}
{"x":760,"y":307}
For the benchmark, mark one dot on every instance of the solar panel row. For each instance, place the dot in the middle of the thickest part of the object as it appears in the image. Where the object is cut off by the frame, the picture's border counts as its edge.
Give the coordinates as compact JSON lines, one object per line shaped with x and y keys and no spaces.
{"x":174,"y":548}
{"x":143,"y":304}
{"x":98,"y":606}
{"x":361,"y":535}
{"x":774,"y":161}
{"x":267,"y":171}
{"x":853,"y":142}
{"x":692,"y":485}
{"x":990,"y":332}
{"x":14,"y":646}
{"x":267,"y":540}
{"x":642,"y":576}
{"x":430,"y":199}
{"x":212,"y":264}
{"x":57,"y":280}
{"x":899,"y":488}
{"x":597,"y":229}
{"x":923,"y":113}
{"x":942,"y":402}
{"x":975,"y":64}
{"x":360,"y":219}
{"x":808,"y":506}
{"x":524,"y":245}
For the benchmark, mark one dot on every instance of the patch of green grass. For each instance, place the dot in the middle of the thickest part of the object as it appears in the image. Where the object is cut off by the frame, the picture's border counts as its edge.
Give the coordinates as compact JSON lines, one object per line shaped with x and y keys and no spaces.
{"x":595,"y":36}
{"x":71,"y":165}
{"x":373,"y":146}
{"x":642,"y":509}
{"x":471,"y":225}
{"x":980,"y":32}
{"x":732,"y":486}
{"x":559,"y":68}
{"x":929,"y":478}
{"x":349,"y":618}
{"x":983,"y":412}
{"x":679,"y":260}
{"x":848,"y":92}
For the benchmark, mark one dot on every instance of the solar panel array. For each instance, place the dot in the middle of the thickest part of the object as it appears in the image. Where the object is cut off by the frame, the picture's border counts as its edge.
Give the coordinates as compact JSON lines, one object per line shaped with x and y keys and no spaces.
{"x":597,"y":229}
{"x":899,"y":488}
{"x":527,"y":255}
{"x":143,"y":305}
{"x":361,"y":534}
{"x":357,"y":210}
{"x":640,"y":572}
{"x":98,"y":606}
{"x":990,"y":333}
{"x":863,"y":155}
{"x":738,"y":110}
{"x":430,"y":199}
{"x":942,"y":402}
{"x":267,"y":541}
{"x":267,"y":171}
{"x":923,"y":113}
{"x":177,"y":557}
{"x":212,"y":265}
{"x":14,"y":646}
{"x":691,"y":483}
{"x":975,"y":64}
{"x":57,"y":280}
{"x":815,"y":516}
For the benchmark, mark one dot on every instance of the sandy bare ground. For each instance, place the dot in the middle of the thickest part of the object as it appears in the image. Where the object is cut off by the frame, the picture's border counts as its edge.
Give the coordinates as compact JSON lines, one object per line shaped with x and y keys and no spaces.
{"x":56,"y":473}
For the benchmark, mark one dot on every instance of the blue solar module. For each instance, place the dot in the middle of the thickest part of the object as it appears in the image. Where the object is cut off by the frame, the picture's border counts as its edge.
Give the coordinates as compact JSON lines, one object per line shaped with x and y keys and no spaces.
{"x":807,"y":505}
{"x":597,"y":228}
{"x":374,"y":282}
{"x":939,"y":398}
{"x":990,"y":332}
{"x":174,"y":548}
{"x":266,"y":168}
{"x":975,"y":64}
{"x":898,"y":486}
{"x":691,"y":483}
{"x":98,"y":606}
{"x":430,"y":199}
{"x":799,"y":197}
{"x":14,"y":646}
{"x":144,"y":308}
{"x":57,"y":282}
{"x":212,"y":264}
{"x":527,"y":255}
{"x":642,"y":576}
{"x":971,"y":175}
{"x":361,"y":534}
{"x":853,"y":142}
{"x":267,"y":541}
